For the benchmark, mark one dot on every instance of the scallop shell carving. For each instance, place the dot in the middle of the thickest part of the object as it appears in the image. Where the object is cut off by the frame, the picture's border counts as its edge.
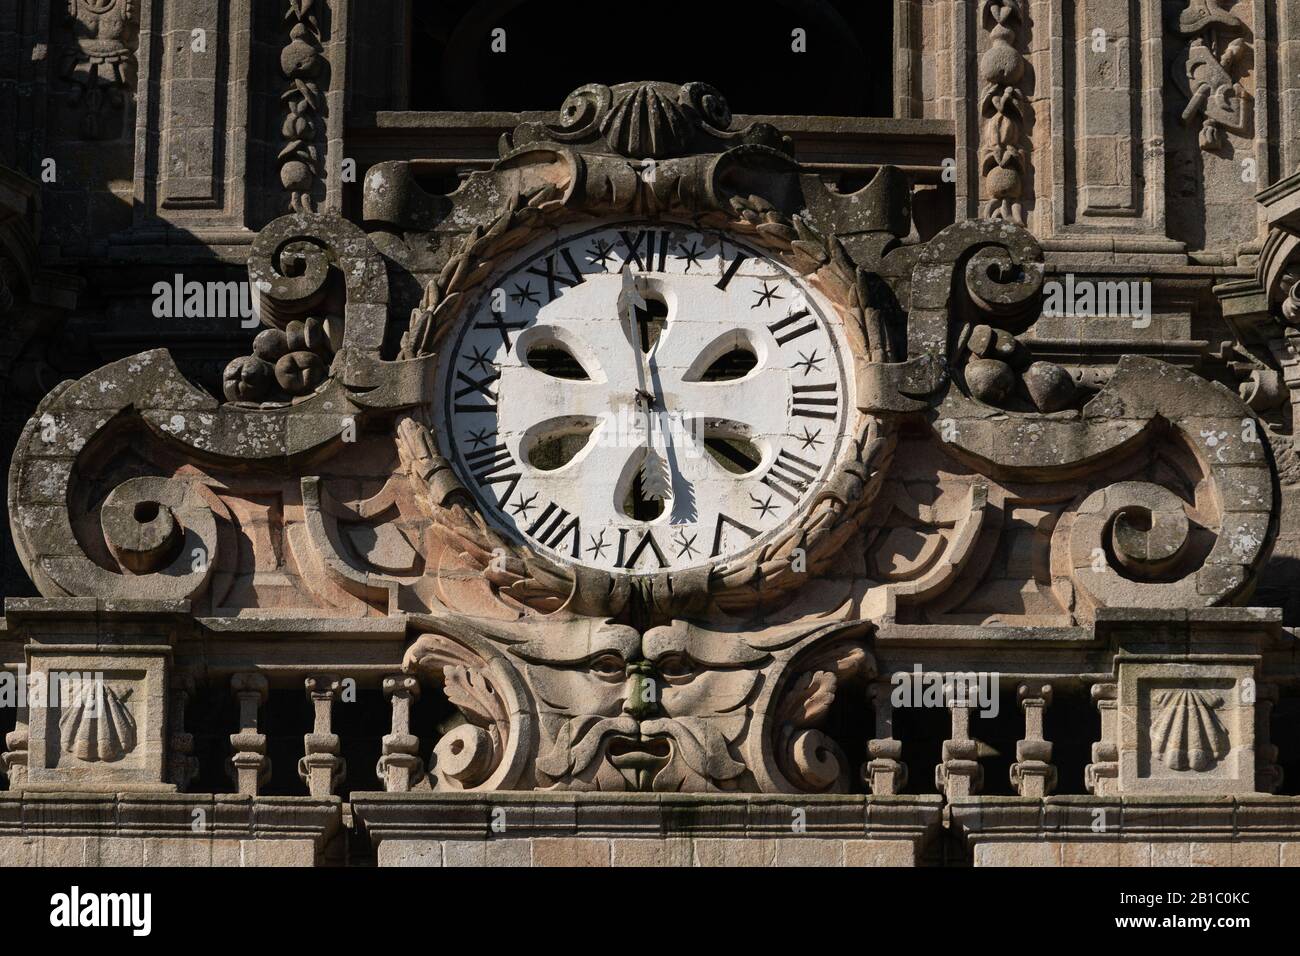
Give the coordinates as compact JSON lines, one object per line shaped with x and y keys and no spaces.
{"x":646,"y":123}
{"x":1187,"y":733}
{"x":96,"y":725}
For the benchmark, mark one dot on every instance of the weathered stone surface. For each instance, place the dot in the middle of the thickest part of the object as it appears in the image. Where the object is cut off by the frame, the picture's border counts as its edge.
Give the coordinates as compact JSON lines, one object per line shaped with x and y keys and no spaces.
{"x":656,"y":452}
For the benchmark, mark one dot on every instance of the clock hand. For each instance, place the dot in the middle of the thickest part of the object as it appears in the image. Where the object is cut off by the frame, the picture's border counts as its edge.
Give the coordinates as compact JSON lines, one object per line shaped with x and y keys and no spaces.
{"x":655,"y":483}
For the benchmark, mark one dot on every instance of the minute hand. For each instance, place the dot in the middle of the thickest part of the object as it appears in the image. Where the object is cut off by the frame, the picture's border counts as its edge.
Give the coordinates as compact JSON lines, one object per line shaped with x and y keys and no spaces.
{"x":655,"y":484}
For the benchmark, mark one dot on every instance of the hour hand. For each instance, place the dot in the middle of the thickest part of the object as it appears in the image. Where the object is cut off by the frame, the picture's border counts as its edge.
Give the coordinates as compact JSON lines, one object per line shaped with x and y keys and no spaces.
{"x":629,"y":300}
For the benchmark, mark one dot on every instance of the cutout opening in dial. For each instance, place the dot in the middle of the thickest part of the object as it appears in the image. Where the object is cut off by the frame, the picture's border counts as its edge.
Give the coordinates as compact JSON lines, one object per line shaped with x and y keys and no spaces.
{"x":553,"y":444}
{"x":652,"y":319}
{"x":637,"y":507}
{"x":553,"y":359}
{"x":737,"y":363}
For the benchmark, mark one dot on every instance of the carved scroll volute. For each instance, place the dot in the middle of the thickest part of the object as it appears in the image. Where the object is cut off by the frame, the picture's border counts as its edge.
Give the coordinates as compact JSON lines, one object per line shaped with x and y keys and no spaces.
{"x":976,"y":288}
{"x":489,"y":745}
{"x":973,"y":273}
{"x":160,"y":534}
{"x":321,"y":289}
{"x":789,"y":750}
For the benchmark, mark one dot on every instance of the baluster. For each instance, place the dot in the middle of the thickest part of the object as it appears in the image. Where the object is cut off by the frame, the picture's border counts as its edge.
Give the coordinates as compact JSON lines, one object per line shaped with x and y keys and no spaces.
{"x":182,"y":765}
{"x":15,"y":756}
{"x":400,"y":766}
{"x":959,"y":773}
{"x":250,"y":767}
{"x":1268,"y":773}
{"x":1102,"y":775}
{"x":885,"y":772}
{"x":1033,"y":774}
{"x":321,"y":768}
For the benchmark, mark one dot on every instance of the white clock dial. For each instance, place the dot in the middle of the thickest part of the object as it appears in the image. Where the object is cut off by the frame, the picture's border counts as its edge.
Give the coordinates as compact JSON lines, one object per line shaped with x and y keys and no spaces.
{"x":644,"y":397}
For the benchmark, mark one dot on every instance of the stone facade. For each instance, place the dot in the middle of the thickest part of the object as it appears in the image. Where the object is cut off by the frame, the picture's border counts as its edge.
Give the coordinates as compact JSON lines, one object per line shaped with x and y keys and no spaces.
{"x":636,"y":482}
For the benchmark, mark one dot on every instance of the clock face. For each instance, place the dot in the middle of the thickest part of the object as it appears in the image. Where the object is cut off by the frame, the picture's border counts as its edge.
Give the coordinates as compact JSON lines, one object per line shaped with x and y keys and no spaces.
{"x":643,"y":397}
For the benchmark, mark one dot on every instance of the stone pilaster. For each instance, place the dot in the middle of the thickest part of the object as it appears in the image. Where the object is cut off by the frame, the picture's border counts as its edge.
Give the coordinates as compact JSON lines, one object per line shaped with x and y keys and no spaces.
{"x":97,"y":700}
{"x":191,"y":162}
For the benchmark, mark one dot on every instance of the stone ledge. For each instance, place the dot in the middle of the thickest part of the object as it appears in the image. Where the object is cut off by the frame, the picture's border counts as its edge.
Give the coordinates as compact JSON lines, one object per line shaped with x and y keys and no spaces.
{"x":650,"y":852}
{"x":161,"y":829}
{"x":36,"y":814}
{"x":1253,"y":829}
{"x":601,"y":829}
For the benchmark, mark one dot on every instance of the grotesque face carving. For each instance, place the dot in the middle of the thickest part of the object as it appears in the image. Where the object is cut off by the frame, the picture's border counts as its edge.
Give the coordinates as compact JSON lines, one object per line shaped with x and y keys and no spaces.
{"x":625,"y":711}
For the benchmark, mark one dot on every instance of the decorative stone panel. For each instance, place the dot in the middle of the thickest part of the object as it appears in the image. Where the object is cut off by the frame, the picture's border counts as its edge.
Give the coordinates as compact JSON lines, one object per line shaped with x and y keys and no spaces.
{"x":100,"y":720}
{"x":1186,"y":728}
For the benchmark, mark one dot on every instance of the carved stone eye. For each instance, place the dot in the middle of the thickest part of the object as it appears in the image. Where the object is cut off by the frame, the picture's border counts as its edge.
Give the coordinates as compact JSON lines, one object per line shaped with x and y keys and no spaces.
{"x":677,"y":667}
{"x":608,"y":666}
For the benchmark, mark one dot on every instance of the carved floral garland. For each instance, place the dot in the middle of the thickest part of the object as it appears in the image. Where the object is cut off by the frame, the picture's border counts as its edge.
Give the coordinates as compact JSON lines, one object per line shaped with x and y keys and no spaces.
{"x":302,"y":61}
{"x":1002,"y":109}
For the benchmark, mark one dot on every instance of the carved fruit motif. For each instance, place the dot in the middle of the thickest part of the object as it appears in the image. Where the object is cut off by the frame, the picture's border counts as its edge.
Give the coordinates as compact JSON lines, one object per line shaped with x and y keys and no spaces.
{"x":989,"y":380}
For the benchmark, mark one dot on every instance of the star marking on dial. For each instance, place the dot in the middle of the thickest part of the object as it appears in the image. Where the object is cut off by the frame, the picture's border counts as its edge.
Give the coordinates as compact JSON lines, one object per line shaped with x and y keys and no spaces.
{"x":598,"y":545}
{"x":600,"y":253}
{"x":763,"y":507}
{"x":809,"y":439}
{"x":480,"y":358}
{"x":480,"y":438}
{"x":686,"y":546}
{"x":691,"y":254}
{"x":524,"y":293}
{"x":525,"y":505}
{"x":809,"y":363}
{"x":766,"y":296}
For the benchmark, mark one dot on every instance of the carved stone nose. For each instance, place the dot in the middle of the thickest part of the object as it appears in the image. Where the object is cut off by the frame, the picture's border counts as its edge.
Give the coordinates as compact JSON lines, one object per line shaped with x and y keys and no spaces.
{"x":641,"y":696}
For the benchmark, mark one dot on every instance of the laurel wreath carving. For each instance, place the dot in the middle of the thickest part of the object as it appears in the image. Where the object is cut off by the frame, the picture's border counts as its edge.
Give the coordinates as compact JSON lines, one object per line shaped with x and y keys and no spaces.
{"x":767,"y":575}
